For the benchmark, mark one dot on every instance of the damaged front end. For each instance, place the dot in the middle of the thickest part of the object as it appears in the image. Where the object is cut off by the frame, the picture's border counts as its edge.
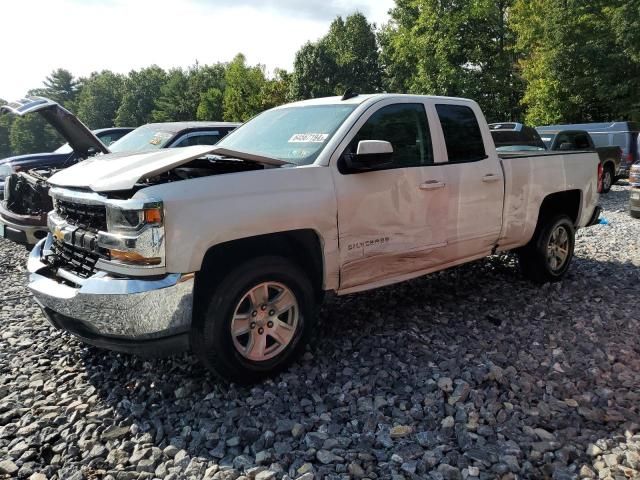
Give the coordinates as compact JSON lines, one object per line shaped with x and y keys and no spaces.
{"x":23,"y":212}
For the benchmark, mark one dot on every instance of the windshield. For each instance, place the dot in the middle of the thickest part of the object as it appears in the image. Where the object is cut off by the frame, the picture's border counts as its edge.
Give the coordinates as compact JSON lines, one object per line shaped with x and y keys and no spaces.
{"x":294,"y":134}
{"x":147,"y":137}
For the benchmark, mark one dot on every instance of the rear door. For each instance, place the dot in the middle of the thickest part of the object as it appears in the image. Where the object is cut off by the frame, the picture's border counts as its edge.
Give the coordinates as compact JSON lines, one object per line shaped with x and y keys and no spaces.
{"x":391,"y":221}
{"x":474,"y":178}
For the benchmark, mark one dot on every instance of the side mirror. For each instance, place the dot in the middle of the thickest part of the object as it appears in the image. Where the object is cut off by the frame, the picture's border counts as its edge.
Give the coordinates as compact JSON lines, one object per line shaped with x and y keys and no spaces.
{"x":371,"y":154}
{"x":566,"y":146}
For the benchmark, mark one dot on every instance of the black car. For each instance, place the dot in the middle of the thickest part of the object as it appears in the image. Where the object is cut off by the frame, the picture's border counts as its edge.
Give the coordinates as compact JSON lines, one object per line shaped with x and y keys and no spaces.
{"x":23,"y":212}
{"x":609,"y":134}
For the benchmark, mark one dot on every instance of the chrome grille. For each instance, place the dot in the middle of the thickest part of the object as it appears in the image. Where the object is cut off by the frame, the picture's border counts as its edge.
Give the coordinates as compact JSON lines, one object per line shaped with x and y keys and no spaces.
{"x":76,"y":260}
{"x":89,"y":217}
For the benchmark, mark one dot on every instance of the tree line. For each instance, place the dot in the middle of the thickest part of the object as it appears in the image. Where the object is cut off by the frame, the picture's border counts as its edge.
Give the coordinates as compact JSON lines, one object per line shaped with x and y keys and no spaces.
{"x":538,"y":61}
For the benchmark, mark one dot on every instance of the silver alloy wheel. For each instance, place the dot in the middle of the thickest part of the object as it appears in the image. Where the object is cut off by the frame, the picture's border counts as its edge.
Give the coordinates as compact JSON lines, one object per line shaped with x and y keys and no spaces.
{"x":558,"y":248}
{"x":606,"y":180}
{"x":265,"y":321}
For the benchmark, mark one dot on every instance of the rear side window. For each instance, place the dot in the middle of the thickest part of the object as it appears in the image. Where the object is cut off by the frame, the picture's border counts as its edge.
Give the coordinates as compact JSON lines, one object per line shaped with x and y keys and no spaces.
{"x":581,"y":141}
{"x":622,"y":141}
{"x":461,"y":133}
{"x":600,"y":139}
{"x":210,"y":138}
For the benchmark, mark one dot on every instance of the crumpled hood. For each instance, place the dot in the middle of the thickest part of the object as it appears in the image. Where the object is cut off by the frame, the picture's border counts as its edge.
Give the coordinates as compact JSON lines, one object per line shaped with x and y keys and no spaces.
{"x":118,"y":171}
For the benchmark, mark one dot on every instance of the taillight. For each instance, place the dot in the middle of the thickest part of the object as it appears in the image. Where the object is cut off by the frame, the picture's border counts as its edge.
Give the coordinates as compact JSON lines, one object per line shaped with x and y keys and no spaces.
{"x":627,"y":158}
{"x":599,"y":178}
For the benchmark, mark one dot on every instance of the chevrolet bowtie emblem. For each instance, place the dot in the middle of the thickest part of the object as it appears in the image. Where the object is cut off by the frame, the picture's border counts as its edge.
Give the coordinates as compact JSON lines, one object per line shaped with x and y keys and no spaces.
{"x":58,"y":234}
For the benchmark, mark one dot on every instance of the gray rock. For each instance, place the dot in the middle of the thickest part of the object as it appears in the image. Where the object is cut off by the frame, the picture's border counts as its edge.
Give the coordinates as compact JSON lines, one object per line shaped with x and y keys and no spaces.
{"x":8,"y":467}
{"x":449,"y":472}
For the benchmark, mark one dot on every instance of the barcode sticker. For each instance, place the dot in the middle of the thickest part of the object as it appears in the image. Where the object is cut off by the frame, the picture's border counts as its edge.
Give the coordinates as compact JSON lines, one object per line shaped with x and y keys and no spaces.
{"x":308,"y":138}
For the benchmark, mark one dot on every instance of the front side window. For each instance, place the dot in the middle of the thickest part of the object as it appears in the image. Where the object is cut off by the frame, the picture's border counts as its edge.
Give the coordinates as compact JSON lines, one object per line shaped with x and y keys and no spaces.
{"x":462,"y":133}
{"x":404,"y":126}
{"x":563,"y":139}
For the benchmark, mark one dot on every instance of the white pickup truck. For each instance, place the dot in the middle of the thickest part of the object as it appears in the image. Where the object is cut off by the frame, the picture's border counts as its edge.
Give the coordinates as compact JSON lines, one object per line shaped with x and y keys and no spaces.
{"x":228,"y":250}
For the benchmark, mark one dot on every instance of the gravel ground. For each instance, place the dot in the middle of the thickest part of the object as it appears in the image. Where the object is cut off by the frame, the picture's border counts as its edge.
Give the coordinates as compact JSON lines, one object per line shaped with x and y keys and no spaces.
{"x":467,"y":373}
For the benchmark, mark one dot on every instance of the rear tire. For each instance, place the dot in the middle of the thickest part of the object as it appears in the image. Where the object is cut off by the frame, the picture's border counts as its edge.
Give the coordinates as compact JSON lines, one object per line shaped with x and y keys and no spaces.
{"x":608,"y":178}
{"x":546,"y":258}
{"x":272,"y":301}
{"x":634,"y":213}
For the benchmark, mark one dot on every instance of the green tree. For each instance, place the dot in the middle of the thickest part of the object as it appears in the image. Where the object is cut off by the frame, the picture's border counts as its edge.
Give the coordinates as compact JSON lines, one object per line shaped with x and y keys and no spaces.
{"x":574,"y":66}
{"x":275,"y":91}
{"x":5,"y":129}
{"x":100,"y":99}
{"x":60,"y":86}
{"x":210,"y":106}
{"x":242,"y":94}
{"x":32,"y":134}
{"x":315,"y":72}
{"x":346,"y":57}
{"x":180,"y":96}
{"x":457,"y":48}
{"x":140,"y":92}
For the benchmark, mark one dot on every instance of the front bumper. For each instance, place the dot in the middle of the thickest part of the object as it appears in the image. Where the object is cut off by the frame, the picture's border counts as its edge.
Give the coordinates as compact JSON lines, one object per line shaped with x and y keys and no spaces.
{"x":123,"y":314}
{"x":24,"y":233}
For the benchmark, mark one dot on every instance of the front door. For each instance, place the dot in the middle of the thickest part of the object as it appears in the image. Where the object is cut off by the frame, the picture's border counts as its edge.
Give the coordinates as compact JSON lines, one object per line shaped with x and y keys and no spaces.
{"x":391,"y":220}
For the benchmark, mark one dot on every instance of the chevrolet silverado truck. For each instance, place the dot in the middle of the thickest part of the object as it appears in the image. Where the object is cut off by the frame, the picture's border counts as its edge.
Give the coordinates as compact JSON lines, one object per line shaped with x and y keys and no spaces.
{"x":26,"y":203}
{"x":228,"y":250}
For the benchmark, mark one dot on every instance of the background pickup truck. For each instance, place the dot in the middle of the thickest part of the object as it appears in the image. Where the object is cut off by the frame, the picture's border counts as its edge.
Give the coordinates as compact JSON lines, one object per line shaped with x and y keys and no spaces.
{"x":566,"y":140}
{"x":229,"y":249}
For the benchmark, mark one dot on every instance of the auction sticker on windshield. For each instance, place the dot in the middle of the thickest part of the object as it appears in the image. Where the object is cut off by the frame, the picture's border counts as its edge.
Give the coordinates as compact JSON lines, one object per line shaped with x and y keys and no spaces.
{"x":308,"y":138}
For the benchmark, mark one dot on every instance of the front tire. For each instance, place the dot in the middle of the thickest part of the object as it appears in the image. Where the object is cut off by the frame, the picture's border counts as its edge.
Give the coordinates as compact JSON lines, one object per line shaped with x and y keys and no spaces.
{"x":256,"y":320}
{"x":549,"y":253}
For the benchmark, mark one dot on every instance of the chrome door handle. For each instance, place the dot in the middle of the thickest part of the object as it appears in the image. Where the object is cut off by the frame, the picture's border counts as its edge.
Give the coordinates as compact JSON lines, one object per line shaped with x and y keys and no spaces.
{"x":432,"y":185}
{"x":490,"y":177}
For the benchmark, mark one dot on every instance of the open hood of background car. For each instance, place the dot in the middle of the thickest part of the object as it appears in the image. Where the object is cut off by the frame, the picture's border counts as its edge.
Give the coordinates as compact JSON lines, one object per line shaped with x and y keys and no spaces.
{"x":108,"y":173}
{"x":80,"y":138}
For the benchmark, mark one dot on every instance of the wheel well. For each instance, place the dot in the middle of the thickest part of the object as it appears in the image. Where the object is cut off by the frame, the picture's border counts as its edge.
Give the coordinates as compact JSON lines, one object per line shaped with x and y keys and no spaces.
{"x":567,"y":202}
{"x":302,"y":246}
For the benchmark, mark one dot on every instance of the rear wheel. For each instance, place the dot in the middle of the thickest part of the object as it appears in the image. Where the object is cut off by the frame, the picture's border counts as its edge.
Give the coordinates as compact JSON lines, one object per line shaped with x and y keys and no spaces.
{"x":549,"y":253}
{"x":634,"y":213}
{"x":256,"y":321}
{"x":607,"y":178}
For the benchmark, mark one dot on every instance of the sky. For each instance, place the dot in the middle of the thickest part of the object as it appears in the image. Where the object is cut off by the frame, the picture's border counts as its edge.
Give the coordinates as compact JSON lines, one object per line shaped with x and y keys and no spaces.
{"x":38,"y":36}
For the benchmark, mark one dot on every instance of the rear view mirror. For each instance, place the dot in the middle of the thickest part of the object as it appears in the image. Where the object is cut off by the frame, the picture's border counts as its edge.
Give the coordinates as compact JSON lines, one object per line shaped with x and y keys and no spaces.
{"x":566,"y":146}
{"x":371,"y":154}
